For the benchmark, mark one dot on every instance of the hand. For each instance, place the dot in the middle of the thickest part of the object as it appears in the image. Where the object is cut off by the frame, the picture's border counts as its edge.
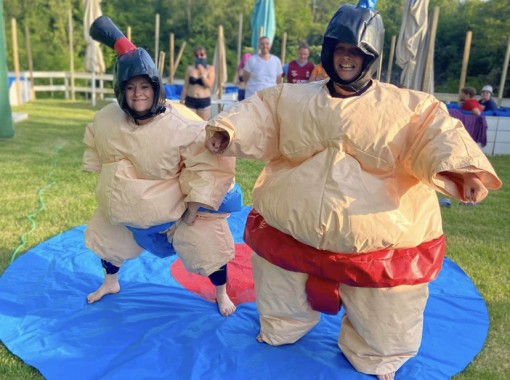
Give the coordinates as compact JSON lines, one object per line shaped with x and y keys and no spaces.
{"x":473,"y":190}
{"x":190,"y":214}
{"x":217,"y":143}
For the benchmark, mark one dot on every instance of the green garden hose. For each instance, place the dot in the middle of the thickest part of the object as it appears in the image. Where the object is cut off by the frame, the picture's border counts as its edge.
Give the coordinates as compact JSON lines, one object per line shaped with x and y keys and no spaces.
{"x":52,"y":181}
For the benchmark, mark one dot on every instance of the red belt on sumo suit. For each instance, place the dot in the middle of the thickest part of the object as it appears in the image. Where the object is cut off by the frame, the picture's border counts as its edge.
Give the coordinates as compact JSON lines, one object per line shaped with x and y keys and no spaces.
{"x":326,"y":270}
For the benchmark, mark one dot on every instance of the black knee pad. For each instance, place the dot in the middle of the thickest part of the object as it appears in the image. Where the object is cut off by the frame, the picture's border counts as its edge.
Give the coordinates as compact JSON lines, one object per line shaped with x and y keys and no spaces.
{"x":108,"y":267}
{"x":220,"y":276}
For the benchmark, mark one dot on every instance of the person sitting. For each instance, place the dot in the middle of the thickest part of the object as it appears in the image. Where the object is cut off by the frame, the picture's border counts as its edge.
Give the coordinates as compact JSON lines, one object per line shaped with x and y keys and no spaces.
{"x":198,"y":82}
{"x":469,"y":103}
{"x":299,"y":70}
{"x":486,"y":100}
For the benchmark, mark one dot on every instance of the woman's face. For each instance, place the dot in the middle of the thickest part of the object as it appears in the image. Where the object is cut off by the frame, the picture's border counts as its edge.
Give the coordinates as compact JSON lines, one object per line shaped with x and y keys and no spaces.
{"x":348,"y":61}
{"x":201,"y":54}
{"x":139,"y":94}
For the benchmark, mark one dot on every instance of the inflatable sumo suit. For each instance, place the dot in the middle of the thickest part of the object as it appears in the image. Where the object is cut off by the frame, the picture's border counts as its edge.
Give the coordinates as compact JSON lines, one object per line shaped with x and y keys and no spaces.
{"x":147,"y":173}
{"x":345,"y":211}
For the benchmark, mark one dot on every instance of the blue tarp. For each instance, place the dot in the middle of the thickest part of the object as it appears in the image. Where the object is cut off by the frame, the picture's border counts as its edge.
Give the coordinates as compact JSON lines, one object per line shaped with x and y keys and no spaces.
{"x":157,"y":329}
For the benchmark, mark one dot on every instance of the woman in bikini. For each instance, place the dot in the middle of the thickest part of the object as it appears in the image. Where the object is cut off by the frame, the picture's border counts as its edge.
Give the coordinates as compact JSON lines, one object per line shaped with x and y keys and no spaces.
{"x":198,"y":81}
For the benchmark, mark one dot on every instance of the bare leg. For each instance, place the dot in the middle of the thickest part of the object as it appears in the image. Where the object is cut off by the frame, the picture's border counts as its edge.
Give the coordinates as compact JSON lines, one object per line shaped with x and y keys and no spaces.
{"x":110,"y":285}
{"x":225,"y":306}
{"x":388,"y":376}
{"x":204,"y":113}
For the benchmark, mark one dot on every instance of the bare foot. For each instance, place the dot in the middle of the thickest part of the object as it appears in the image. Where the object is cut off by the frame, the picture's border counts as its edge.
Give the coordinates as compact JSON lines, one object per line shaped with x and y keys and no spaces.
{"x":110,"y":286}
{"x":388,"y":376}
{"x":225,"y":306}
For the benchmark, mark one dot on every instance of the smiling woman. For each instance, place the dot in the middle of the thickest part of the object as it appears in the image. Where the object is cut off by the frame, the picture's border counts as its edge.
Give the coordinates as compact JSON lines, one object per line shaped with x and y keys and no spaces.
{"x":139,"y":96}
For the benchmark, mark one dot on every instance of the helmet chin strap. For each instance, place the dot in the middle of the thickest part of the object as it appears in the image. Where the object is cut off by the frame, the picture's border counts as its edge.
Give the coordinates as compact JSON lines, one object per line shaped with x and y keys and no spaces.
{"x":355,"y":85}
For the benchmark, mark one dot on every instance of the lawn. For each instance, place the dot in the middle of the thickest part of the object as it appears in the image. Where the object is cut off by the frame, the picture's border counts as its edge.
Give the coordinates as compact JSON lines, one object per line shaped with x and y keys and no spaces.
{"x":43,"y":193}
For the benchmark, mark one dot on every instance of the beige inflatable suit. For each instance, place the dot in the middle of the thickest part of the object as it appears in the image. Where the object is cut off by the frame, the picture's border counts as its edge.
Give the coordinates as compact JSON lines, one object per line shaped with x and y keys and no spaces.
{"x":147,"y":174}
{"x":348,"y":197}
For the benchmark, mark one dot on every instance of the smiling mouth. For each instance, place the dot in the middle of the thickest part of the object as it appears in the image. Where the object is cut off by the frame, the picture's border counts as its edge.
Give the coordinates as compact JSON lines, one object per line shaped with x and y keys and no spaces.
{"x":347,"y":67}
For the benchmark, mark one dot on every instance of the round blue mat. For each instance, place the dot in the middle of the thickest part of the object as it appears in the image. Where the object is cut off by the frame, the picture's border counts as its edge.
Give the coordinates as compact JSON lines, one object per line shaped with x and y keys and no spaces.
{"x":156,"y":329}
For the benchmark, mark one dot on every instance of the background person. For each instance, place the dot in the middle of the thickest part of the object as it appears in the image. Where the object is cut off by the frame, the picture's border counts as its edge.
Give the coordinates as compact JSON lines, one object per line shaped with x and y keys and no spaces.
{"x":154,"y":175}
{"x":198,"y":82}
{"x":299,"y":70}
{"x":239,"y":79}
{"x":318,"y":73}
{"x":486,"y":100}
{"x":468,"y":101}
{"x":262,"y":70}
{"x":346,"y":209}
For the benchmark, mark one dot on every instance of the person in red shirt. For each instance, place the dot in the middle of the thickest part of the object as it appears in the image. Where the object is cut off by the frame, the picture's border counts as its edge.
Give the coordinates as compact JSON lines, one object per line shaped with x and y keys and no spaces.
{"x":299,"y":70}
{"x":469,"y":103}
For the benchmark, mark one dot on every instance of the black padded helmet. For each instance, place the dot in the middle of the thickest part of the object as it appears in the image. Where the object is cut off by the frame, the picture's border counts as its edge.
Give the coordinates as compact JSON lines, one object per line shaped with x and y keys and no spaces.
{"x":357,"y":26}
{"x":131,"y":62}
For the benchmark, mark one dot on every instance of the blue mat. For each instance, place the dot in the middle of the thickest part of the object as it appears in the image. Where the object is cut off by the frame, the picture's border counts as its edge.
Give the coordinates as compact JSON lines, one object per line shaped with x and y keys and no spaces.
{"x":156,"y":329}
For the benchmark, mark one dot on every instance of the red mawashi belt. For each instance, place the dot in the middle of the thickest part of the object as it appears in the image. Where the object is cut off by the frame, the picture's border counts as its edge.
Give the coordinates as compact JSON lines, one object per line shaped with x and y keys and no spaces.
{"x":326,"y":270}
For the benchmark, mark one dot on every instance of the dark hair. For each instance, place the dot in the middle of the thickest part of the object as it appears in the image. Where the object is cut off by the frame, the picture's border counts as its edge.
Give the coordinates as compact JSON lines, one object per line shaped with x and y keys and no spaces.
{"x":197,"y":49}
{"x":303,"y":45}
{"x":471,"y":91}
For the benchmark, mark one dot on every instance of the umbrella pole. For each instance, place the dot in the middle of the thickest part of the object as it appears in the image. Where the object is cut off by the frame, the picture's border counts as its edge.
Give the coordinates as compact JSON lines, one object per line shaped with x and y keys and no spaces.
{"x":15,"y":58}
{"x":503,"y":74}
{"x":221,"y":54}
{"x":71,"y":54}
{"x":390,"y":59}
{"x":427,"y":73}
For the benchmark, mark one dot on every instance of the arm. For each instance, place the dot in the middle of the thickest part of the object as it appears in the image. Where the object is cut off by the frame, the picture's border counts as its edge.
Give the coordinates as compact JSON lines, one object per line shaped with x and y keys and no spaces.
{"x":91,"y":160}
{"x":250,"y":129}
{"x":207,"y":75}
{"x":246,"y":76}
{"x":469,"y":186}
{"x":205,"y":178}
{"x":444,"y":156}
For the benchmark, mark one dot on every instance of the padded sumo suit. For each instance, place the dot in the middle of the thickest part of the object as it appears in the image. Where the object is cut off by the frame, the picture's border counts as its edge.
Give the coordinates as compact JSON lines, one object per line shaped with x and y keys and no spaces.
{"x":147,"y":173}
{"x":346,"y":208}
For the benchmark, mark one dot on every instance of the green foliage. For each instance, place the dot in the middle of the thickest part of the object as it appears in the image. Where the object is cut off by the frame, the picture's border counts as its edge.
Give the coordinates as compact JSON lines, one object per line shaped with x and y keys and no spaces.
{"x":196,"y":23}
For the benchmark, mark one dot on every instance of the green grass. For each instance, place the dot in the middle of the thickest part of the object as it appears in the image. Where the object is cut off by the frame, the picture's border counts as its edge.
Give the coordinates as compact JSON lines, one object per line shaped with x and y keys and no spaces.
{"x":47,"y":150}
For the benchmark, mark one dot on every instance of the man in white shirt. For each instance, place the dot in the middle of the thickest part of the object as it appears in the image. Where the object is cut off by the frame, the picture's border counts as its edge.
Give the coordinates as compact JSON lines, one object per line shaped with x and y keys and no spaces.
{"x":262,"y":70}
